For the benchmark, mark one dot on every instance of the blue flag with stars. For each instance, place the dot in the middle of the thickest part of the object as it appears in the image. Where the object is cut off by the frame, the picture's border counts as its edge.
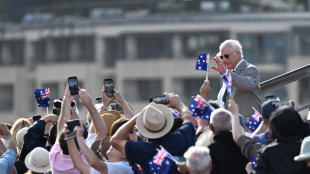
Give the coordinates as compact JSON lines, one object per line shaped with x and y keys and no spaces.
{"x":202,"y":62}
{"x":43,"y":97}
{"x":254,"y":162}
{"x":254,"y":121}
{"x":161,"y":162}
{"x":200,"y":108}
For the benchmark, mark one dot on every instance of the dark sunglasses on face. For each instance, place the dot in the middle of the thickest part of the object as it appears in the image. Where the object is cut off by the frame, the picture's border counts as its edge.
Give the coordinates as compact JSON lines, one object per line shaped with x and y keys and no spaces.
{"x":226,"y":55}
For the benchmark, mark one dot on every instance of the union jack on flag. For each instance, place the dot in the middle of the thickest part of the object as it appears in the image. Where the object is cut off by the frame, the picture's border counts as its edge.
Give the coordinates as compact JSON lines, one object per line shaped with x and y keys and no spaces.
{"x":43,"y":97}
{"x":200,"y":108}
{"x":254,"y":121}
{"x":161,"y":162}
{"x":228,"y":81}
{"x":202,"y":62}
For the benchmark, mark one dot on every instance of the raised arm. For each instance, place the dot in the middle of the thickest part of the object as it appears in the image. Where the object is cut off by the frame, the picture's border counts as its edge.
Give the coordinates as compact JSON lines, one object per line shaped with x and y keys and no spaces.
{"x":205,"y":90}
{"x":76,"y":157}
{"x":65,"y":110}
{"x":236,"y":127}
{"x":119,"y":139}
{"x":176,"y":102}
{"x":128,"y":112}
{"x":10,"y":144}
{"x":91,"y":158}
{"x":98,"y":122}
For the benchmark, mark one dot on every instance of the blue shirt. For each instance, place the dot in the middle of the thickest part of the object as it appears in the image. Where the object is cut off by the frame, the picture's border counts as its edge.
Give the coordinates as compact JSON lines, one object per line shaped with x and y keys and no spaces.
{"x":175,"y":143}
{"x":7,"y":160}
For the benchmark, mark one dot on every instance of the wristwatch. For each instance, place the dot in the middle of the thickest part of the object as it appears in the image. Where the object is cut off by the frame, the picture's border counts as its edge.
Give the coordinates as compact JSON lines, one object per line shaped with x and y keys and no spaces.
{"x":104,"y":107}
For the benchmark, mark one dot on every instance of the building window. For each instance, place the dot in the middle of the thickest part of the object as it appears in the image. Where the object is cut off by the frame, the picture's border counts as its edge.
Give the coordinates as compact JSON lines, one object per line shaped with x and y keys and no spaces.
{"x":12,"y":52}
{"x":304,"y":44}
{"x":304,"y":93}
{"x":154,"y":46}
{"x":195,"y":44}
{"x":114,"y":50}
{"x":6,"y":99}
{"x":280,"y":92}
{"x":142,"y":90}
{"x":265,"y":48}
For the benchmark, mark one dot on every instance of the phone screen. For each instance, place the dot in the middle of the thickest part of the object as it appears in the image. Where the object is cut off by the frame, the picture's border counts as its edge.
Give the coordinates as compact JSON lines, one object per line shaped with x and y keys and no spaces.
{"x":73,"y":85}
{"x":109,"y":87}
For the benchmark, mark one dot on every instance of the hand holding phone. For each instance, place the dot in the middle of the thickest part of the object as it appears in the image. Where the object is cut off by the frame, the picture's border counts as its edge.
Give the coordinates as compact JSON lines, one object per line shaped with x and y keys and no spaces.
{"x":108,"y":87}
{"x":160,"y":100}
{"x":71,"y":125}
{"x":73,"y":85}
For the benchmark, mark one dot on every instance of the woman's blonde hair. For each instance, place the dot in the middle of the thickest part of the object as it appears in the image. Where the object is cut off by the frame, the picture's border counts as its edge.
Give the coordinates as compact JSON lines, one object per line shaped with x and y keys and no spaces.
{"x":18,"y":125}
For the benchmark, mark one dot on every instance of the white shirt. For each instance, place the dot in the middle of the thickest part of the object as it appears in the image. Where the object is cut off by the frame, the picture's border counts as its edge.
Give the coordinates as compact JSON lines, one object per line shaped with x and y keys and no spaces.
{"x":122,"y":167}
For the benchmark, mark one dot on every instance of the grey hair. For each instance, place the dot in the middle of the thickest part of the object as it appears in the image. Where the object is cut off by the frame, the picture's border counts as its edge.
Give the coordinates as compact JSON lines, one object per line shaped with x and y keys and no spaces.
{"x":234,"y":44}
{"x":221,"y":120}
{"x":198,"y":159}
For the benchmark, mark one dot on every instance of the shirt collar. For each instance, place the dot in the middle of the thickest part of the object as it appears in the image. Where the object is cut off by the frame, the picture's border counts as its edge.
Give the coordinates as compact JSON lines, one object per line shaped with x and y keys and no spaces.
{"x":238,"y":64}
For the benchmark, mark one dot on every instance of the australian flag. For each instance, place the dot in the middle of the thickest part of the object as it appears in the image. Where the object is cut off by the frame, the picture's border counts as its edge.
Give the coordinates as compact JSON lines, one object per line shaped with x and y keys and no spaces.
{"x":202,"y":62}
{"x":161,"y":162}
{"x":254,"y":121}
{"x":228,"y":81}
{"x":254,"y":162}
{"x":200,"y":108}
{"x":43,"y":97}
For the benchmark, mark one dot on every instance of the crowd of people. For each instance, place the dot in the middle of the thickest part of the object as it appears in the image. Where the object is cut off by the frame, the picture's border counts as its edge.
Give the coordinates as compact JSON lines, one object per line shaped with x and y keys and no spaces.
{"x":156,"y":140}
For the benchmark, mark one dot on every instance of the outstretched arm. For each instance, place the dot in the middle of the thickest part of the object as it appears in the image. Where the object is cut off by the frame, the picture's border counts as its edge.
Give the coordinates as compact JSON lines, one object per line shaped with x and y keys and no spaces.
{"x":65,"y":110}
{"x":91,"y":158}
{"x":119,"y":139}
{"x":98,"y":122}
{"x":176,"y":102}
{"x":75,"y":155}
{"x":205,"y":90}
{"x":128,"y":112}
{"x":236,"y":127}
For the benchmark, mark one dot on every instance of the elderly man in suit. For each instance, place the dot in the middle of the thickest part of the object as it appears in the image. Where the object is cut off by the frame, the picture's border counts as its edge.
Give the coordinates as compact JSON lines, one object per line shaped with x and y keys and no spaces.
{"x":245,"y":77}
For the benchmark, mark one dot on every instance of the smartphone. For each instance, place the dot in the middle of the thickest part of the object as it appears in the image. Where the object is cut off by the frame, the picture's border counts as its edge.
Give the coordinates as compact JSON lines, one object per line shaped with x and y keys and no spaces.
{"x":36,"y":118}
{"x":115,"y":106}
{"x":71,"y":125}
{"x":98,"y":100}
{"x":160,"y":99}
{"x":73,"y":85}
{"x":108,"y":87}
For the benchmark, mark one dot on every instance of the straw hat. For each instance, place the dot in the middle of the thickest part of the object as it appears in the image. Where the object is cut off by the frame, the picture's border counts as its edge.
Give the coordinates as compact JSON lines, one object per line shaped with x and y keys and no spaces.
{"x":20,"y":136}
{"x":38,"y":160}
{"x":304,"y":150}
{"x":109,"y":117}
{"x":155,"y":121}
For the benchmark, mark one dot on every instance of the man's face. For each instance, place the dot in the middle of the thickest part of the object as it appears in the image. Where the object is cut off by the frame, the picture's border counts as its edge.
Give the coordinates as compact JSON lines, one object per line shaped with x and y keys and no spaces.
{"x":230,"y":57}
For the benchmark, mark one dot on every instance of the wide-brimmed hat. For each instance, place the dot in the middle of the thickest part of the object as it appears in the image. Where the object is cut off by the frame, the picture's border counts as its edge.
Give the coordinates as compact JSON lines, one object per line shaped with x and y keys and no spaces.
{"x":154,"y":121}
{"x":109,"y":118}
{"x":304,"y":150}
{"x":38,"y":160}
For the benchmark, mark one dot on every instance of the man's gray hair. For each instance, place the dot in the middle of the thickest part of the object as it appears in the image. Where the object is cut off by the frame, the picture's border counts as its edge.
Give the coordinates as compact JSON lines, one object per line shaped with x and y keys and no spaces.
{"x":221,"y":120}
{"x":234,"y":44}
{"x":198,"y":159}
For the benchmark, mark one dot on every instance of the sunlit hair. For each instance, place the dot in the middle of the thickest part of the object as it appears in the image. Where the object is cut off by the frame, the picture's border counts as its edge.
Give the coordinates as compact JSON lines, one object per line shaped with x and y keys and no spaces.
{"x":221,"y":120}
{"x":18,"y":125}
{"x":198,"y":159}
{"x":234,"y":44}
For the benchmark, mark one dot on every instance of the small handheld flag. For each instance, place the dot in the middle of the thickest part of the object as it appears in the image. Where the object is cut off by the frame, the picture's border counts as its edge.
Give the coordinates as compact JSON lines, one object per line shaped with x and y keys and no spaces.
{"x":254,"y":121}
{"x":161,"y":162}
{"x":200,"y":108}
{"x":43,"y":97}
{"x":202,"y":63}
{"x":228,"y":82}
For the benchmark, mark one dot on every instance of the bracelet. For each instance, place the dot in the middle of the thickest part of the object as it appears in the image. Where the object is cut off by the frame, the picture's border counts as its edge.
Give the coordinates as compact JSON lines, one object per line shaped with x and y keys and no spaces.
{"x":104,"y":107}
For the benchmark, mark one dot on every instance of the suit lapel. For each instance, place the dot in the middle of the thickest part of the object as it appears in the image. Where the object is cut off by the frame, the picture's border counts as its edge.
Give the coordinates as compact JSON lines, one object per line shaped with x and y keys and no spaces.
{"x":241,"y":66}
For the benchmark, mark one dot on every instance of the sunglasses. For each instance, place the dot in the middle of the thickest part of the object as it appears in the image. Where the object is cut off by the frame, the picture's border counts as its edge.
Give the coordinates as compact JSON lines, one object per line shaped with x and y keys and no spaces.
{"x":226,"y":55}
